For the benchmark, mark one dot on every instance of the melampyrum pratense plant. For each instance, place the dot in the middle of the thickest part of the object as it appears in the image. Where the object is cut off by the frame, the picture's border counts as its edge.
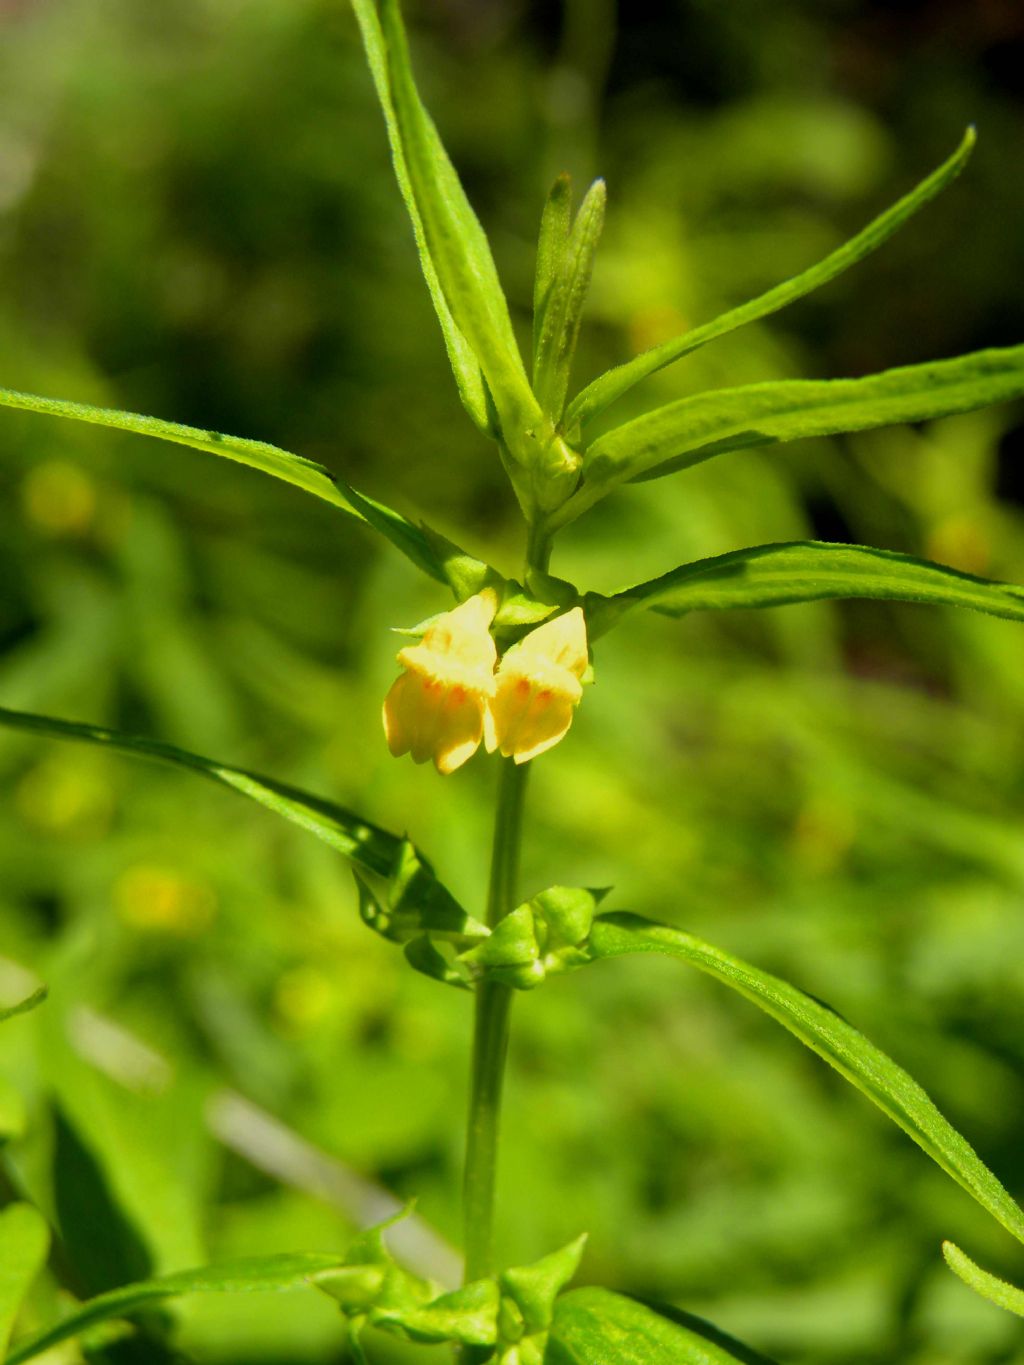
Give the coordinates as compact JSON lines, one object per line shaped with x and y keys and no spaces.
{"x":506,"y":667}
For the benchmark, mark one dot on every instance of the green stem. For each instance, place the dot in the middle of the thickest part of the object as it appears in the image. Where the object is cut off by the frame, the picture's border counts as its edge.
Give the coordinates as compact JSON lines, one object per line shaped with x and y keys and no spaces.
{"x":490,"y":1037}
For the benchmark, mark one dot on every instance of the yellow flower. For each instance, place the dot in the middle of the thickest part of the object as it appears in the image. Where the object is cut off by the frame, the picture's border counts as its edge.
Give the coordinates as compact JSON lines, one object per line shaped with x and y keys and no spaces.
{"x":538,"y":688}
{"x":436,"y":708}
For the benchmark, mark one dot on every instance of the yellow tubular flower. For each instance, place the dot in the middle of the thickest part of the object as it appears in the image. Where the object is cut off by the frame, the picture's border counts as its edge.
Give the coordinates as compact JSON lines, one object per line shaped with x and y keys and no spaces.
{"x":436,"y":708}
{"x":538,"y":688}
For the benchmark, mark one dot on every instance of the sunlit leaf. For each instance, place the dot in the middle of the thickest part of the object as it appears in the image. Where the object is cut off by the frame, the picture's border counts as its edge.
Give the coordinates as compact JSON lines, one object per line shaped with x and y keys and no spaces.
{"x":831,"y":1037}
{"x":468,"y":375}
{"x":983,"y":1282}
{"x":596,"y":1327}
{"x":803,"y":571}
{"x":691,"y":430}
{"x":410,"y":881}
{"x":456,"y":245}
{"x":598,"y":395}
{"x":555,"y":223}
{"x":427,"y":552}
{"x":563,"y":304}
{"x":264,"y":1274}
{"x":24,"y":1242}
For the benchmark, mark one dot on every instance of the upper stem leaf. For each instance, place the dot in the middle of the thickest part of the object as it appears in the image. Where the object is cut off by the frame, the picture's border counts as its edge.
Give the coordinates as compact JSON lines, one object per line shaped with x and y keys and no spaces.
{"x":803,"y":571}
{"x":605,"y":390}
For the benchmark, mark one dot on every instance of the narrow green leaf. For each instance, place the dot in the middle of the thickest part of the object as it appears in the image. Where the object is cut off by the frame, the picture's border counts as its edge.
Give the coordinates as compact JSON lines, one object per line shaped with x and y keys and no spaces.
{"x":694,"y":429}
{"x":831,"y":1037}
{"x":803,"y":571}
{"x":263,"y":1274}
{"x":989,"y":1286}
{"x":597,"y":1327}
{"x":563,"y":306}
{"x":458,"y":248}
{"x":555,"y":223}
{"x":603,"y":391}
{"x":24,"y":1242}
{"x":412,"y":887}
{"x":468,"y":375}
{"x":281,"y":464}
{"x":23,"y":1006}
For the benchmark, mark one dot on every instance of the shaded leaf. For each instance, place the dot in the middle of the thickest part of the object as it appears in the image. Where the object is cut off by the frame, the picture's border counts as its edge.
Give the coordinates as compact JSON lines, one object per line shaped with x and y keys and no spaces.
{"x":24,"y":1242}
{"x":411,"y":883}
{"x":694,"y":429}
{"x":803,"y":571}
{"x":555,"y":222}
{"x":264,"y":1274}
{"x":831,"y":1037}
{"x":598,"y":395}
{"x":597,"y":1327}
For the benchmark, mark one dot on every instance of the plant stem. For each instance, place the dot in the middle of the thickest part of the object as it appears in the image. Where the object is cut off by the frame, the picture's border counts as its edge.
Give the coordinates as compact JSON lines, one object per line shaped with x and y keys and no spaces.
{"x":490,"y":1037}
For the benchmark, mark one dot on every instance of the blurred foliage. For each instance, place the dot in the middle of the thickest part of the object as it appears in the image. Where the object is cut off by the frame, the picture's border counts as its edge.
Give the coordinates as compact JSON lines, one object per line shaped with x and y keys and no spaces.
{"x":197,"y":219}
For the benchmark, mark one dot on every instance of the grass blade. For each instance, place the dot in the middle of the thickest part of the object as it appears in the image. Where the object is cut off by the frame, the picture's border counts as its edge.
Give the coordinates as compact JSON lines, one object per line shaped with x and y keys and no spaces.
{"x":603,"y":391}
{"x":24,"y":1242}
{"x":804,"y":571}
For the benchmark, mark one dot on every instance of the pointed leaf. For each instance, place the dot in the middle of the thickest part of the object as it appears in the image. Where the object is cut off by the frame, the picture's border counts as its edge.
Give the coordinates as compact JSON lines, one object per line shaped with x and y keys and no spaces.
{"x":831,"y":1037}
{"x":468,"y":375}
{"x":989,"y":1286}
{"x":803,"y":571}
{"x":694,"y":429}
{"x":260,"y":1274}
{"x":24,"y":1242}
{"x":411,"y":879}
{"x":416,"y":544}
{"x":563,"y":304}
{"x":605,"y":390}
{"x":596,"y":1327}
{"x":456,"y":243}
{"x":536,"y":1287}
{"x":555,"y":223}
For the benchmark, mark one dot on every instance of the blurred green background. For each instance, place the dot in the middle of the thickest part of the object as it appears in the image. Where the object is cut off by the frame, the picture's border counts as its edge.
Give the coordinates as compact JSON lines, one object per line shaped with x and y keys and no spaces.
{"x":198,"y":220}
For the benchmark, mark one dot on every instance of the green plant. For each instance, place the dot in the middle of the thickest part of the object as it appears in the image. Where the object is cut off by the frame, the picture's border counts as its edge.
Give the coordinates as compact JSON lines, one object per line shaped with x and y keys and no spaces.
{"x":560,"y":465}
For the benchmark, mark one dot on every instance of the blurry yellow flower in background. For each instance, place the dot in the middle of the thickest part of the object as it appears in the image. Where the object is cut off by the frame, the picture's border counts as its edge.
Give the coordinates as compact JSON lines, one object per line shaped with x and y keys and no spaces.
{"x":538,"y":688}
{"x":436,"y":709}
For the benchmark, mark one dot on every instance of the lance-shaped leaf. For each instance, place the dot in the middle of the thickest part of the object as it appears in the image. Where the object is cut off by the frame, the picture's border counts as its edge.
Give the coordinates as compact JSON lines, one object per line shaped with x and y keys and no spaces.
{"x":803,"y":571}
{"x":597,"y":396}
{"x":831,"y":1037}
{"x":455,"y":243}
{"x":468,"y":375}
{"x":413,"y":893}
{"x":426,"y":549}
{"x":559,"y":324}
{"x":262,"y":1274}
{"x":694,"y":429}
{"x":555,"y":223}
{"x":24,"y":1242}
{"x":983,"y":1282}
{"x":596,"y":1327}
